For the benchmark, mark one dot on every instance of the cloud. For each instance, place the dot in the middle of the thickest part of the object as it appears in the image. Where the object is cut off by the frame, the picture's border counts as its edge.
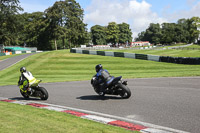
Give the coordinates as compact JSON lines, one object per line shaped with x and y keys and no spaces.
{"x":190,"y":2}
{"x":194,"y":11}
{"x":137,"y":14}
{"x":191,"y":12}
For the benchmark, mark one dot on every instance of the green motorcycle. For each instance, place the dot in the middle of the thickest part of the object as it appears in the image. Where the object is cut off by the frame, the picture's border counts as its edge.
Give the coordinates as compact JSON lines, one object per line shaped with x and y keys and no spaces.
{"x":36,"y":90}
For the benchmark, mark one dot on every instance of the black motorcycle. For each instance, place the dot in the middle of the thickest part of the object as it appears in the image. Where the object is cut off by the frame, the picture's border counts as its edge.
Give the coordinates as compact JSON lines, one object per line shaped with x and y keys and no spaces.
{"x":36,"y":91}
{"x":117,"y":87}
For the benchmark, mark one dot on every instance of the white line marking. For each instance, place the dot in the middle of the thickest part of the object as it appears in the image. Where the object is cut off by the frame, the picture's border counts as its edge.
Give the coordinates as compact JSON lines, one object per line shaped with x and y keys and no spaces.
{"x":54,"y":108}
{"x":20,"y":102}
{"x":151,"y":130}
{"x":98,"y":118}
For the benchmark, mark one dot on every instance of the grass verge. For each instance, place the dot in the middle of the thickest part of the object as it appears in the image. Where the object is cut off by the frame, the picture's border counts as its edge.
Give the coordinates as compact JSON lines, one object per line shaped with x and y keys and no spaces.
{"x":59,"y":66}
{"x":62,"y":66}
{"x":26,"y":119}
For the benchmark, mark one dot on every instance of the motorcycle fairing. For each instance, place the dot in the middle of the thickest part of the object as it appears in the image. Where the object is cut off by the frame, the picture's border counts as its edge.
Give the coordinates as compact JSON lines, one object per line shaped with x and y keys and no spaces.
{"x":116,"y":80}
{"x":22,"y":86}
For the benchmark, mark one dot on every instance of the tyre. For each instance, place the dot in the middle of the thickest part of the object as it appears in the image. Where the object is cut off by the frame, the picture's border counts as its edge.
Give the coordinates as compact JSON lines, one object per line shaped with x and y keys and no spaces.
{"x":24,"y":94}
{"x":125,"y":91}
{"x":44,"y":92}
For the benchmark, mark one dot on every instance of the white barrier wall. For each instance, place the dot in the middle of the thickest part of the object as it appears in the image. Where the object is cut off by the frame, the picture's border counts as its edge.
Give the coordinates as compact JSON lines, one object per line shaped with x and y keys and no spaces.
{"x":18,"y":52}
{"x":107,"y":53}
{"x":93,"y":52}
{"x":153,"y":57}
{"x":129,"y":55}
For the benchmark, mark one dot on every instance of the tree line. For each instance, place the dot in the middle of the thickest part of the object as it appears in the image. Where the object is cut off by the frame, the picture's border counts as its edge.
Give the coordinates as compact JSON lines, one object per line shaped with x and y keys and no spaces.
{"x":184,"y":31}
{"x":113,"y":34}
{"x":61,"y":26}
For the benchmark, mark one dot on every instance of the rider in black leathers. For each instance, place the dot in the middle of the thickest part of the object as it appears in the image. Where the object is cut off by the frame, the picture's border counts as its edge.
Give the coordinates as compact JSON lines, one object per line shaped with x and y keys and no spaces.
{"x":104,"y":78}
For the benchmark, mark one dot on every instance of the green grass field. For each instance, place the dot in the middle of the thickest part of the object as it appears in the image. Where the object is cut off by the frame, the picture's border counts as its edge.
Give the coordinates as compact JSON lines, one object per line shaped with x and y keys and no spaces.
{"x":163,"y":51}
{"x":194,"y":46}
{"x":16,"y":118}
{"x":170,"y":52}
{"x":61,"y":66}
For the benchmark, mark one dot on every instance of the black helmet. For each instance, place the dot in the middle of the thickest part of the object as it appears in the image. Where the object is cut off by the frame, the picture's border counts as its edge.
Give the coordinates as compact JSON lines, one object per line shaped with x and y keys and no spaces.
{"x":98,"y":67}
{"x":22,"y":69}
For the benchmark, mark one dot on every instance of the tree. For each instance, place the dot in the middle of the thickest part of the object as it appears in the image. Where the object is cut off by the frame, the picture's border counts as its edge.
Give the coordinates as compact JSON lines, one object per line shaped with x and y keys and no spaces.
{"x":98,"y":34}
{"x":168,"y":33}
{"x":112,"y":33}
{"x":140,"y":36}
{"x":9,"y":21}
{"x":182,"y":30}
{"x":57,"y":18}
{"x":35,"y":32}
{"x":66,"y":21}
{"x":193,"y":28}
{"x":78,"y":32}
{"x":152,"y":34}
{"x":155,"y":33}
{"x":125,"y":34}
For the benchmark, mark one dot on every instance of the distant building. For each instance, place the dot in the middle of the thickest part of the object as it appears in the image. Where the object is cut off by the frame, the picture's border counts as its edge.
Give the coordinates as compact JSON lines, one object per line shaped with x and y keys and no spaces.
{"x":16,"y":49}
{"x":140,"y":43}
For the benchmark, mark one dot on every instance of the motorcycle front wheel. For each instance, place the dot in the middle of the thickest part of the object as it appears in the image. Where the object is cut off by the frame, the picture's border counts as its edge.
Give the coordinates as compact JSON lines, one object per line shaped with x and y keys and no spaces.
{"x":24,"y":94}
{"x":44,"y":94}
{"x":125,"y":91}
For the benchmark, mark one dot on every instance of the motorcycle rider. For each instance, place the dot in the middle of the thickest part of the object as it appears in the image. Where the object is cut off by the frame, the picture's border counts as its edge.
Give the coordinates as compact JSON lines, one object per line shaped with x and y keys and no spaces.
{"x":26,"y":76}
{"x":104,"y":78}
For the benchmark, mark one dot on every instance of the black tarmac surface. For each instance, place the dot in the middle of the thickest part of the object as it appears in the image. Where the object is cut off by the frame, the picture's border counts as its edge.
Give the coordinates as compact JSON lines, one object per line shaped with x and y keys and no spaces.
{"x":10,"y":61}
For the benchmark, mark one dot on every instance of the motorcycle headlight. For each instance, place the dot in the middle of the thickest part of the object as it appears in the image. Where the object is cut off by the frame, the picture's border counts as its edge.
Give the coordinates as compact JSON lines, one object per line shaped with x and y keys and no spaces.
{"x":93,"y":80}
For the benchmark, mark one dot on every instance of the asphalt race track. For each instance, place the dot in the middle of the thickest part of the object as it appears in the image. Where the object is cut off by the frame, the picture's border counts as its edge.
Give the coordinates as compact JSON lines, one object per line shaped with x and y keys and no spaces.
{"x":10,"y":61}
{"x":168,"y":102}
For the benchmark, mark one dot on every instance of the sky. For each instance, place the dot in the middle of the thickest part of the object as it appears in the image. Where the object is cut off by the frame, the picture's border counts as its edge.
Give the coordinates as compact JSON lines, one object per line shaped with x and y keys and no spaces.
{"x":137,"y":13}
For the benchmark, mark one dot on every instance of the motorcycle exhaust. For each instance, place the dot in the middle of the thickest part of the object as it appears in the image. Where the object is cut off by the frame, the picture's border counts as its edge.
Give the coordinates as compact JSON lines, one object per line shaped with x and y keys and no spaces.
{"x":125,"y":82}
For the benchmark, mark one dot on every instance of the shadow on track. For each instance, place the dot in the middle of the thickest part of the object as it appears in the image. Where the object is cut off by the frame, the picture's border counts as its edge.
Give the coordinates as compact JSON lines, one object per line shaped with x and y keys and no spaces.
{"x":96,"y":97}
{"x":21,"y":98}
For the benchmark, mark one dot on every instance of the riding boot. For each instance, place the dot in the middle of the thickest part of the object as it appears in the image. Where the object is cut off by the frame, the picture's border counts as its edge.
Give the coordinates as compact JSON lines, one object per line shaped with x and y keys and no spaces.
{"x":102,"y":89}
